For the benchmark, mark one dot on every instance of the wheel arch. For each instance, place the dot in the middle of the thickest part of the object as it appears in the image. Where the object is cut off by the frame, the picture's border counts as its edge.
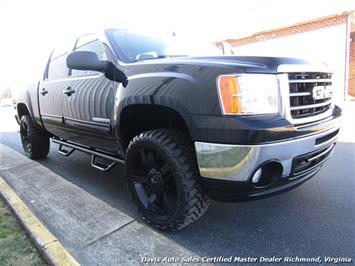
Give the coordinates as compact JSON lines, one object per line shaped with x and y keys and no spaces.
{"x":24,"y":105}
{"x":22,"y":109}
{"x":148,"y":117}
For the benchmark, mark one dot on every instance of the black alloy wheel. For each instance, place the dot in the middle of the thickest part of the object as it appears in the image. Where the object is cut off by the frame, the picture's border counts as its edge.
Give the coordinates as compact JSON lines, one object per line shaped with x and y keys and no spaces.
{"x":154,"y":183}
{"x":163,"y":179}
{"x":25,"y":138}
{"x":35,"y":142}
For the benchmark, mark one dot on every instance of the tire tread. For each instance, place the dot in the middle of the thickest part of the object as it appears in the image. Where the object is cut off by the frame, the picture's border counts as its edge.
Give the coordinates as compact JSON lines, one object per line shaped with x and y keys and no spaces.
{"x":39,"y":141}
{"x":178,"y":146}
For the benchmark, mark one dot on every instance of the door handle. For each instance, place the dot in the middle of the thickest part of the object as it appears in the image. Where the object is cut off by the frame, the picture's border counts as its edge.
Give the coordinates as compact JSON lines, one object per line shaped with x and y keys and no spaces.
{"x":69,"y":91}
{"x":44,"y":91}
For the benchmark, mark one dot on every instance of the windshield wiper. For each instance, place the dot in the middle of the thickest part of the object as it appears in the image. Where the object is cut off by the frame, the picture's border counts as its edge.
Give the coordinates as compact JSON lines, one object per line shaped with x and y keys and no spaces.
{"x":159,"y":57}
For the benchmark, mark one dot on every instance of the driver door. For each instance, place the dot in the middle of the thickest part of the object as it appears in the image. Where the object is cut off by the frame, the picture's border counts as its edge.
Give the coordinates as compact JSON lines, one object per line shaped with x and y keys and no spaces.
{"x":89,"y":102}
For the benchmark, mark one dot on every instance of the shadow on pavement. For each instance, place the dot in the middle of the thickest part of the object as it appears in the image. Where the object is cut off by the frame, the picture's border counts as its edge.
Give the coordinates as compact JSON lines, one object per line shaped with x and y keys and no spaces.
{"x":316,"y":219}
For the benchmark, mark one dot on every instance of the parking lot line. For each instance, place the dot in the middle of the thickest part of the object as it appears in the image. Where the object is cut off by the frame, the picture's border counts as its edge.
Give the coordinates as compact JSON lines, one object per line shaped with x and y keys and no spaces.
{"x":50,"y":247}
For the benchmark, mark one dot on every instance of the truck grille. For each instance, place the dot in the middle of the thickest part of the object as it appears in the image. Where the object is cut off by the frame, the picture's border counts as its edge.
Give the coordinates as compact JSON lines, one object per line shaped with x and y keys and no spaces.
{"x":303,"y":104}
{"x":308,"y":162}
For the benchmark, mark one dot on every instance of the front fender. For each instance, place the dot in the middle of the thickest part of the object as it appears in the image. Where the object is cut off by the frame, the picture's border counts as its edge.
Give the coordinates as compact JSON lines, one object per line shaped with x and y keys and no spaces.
{"x":177,"y":91}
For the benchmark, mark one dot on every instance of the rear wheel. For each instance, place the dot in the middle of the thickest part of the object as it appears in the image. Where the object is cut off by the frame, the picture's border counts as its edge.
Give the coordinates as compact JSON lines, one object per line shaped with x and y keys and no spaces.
{"x":163,"y":179}
{"x":35,"y":143}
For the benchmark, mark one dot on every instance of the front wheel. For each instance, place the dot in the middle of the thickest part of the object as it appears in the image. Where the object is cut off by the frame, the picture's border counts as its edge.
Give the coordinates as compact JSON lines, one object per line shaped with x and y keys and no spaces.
{"x":163,"y":179}
{"x":35,"y":143}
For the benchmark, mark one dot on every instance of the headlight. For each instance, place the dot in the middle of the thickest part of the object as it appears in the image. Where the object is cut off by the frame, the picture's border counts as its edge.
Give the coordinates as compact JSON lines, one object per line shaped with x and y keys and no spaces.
{"x":248,"y":94}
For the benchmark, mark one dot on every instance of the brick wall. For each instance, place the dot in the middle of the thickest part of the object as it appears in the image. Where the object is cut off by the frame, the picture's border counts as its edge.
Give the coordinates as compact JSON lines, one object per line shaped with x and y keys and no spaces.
{"x":352,"y":66}
{"x":290,"y":30}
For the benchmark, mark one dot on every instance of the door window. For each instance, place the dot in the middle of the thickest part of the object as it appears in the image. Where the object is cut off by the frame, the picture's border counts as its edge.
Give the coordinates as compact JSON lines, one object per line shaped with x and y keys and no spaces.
{"x":92,"y":44}
{"x":58,"y":66}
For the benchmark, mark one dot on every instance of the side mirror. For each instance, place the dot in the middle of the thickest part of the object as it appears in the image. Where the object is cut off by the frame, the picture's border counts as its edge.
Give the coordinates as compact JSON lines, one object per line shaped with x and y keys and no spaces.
{"x":85,"y":60}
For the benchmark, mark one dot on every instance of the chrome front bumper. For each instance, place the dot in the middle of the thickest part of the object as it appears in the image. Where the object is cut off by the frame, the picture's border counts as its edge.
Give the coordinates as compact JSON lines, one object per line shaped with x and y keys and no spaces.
{"x":239,"y":162}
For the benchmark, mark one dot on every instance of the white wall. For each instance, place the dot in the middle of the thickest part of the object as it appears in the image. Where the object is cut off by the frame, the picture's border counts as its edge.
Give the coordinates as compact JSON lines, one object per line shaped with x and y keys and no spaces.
{"x":327,"y":45}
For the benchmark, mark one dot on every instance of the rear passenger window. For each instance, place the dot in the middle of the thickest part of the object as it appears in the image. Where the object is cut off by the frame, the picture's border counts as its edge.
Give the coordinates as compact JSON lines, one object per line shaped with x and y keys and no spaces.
{"x":92,"y":44}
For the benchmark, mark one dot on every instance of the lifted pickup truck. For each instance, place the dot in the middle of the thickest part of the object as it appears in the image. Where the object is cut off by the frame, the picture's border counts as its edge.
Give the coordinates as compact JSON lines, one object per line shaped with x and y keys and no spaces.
{"x":186,"y":128}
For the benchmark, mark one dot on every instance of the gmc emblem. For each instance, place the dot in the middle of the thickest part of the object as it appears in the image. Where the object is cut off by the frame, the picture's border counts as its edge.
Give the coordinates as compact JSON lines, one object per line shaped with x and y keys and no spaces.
{"x":322,"y":92}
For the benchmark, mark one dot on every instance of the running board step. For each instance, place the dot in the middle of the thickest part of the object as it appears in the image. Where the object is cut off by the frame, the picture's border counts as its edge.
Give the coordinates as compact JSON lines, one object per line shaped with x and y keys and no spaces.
{"x":65,"y":152}
{"x":101,"y":166}
{"x":71,"y":147}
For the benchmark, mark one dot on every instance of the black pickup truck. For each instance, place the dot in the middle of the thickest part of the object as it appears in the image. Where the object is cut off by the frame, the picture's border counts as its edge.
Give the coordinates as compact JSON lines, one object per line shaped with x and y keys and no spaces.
{"x":186,"y":128}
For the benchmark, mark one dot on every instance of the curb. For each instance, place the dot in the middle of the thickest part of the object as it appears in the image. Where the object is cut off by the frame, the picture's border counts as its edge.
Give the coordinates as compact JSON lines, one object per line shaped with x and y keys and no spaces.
{"x":49,"y":246}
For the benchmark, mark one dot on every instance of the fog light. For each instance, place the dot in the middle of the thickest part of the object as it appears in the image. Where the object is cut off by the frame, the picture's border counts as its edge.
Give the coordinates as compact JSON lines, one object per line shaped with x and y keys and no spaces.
{"x":267,"y":174}
{"x":257,"y":176}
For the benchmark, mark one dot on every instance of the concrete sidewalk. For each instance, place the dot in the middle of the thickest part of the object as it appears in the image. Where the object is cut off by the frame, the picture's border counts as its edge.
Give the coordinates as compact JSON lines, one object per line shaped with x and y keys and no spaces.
{"x":92,"y":231}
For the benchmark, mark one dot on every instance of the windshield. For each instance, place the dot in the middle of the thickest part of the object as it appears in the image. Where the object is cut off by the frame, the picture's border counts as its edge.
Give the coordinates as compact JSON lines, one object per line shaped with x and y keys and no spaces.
{"x":132,"y":46}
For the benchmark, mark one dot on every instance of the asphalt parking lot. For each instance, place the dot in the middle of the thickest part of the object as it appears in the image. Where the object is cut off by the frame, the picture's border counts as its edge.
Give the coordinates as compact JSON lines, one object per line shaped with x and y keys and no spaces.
{"x":315,"y":219}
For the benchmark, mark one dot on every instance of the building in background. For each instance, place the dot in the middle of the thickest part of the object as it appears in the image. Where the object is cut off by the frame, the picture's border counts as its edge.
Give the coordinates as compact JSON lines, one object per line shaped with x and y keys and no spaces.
{"x":330,"y":39}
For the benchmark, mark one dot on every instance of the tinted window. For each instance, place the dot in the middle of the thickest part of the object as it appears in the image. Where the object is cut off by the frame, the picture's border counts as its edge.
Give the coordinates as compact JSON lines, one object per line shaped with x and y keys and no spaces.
{"x":91,"y":44}
{"x":58,"y":66}
{"x":132,"y":46}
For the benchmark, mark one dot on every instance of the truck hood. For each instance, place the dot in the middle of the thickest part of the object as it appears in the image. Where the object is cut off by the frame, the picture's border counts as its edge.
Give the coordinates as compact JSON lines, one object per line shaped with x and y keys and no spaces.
{"x":251,"y":64}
